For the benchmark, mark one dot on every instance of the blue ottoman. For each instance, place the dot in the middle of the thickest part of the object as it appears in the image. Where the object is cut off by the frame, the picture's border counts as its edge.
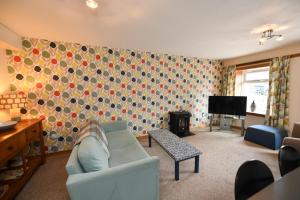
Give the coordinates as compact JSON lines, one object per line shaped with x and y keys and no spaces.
{"x":265,"y":135}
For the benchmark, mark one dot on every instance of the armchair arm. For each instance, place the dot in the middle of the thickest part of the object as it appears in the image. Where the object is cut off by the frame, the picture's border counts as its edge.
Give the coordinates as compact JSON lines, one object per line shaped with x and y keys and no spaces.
{"x":136,"y":180}
{"x":114,"y":126}
{"x":293,"y":142}
{"x":296,"y":130}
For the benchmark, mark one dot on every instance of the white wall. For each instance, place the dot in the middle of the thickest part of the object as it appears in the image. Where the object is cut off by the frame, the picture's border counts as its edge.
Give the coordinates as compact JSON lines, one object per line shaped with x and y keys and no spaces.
{"x":294,"y":100}
{"x":8,"y":40}
{"x":4,"y":83}
{"x":251,"y":120}
{"x":295,"y":91}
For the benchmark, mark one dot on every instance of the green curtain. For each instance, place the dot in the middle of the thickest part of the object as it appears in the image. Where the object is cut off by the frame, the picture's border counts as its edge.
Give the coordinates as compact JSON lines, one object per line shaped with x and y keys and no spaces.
{"x":277,"y":107}
{"x":228,"y":83}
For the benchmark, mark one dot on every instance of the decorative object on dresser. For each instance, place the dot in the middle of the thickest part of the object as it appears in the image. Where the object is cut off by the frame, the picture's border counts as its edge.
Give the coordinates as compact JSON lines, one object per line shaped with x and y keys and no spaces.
{"x":7,"y":125}
{"x":180,"y":123}
{"x":13,"y":103}
{"x":14,"y":143}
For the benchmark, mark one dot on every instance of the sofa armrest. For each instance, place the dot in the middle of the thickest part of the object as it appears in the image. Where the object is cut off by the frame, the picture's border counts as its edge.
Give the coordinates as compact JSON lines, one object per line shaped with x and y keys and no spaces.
{"x":136,"y":180}
{"x":114,"y":126}
{"x":293,"y":142}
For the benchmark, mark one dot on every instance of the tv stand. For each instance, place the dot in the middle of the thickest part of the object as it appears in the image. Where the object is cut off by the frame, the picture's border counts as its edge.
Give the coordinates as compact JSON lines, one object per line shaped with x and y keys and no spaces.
{"x":242,"y":118}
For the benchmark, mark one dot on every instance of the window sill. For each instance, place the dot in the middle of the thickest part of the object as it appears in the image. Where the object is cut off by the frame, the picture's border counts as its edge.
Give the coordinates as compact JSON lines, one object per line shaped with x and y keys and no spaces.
{"x":256,"y":114}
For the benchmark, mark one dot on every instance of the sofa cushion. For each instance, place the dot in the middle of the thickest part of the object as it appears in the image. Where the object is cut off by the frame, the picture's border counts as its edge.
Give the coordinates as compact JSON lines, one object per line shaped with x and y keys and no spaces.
{"x":114,"y":126}
{"x":92,"y":155}
{"x":95,"y":125}
{"x":92,"y":126}
{"x":120,"y":139}
{"x":127,"y":154}
{"x":124,"y":148}
{"x":73,"y":166}
{"x":95,"y":135}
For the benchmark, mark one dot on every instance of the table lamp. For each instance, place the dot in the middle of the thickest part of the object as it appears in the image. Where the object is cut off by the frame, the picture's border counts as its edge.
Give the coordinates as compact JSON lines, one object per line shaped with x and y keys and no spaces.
{"x":13,"y":103}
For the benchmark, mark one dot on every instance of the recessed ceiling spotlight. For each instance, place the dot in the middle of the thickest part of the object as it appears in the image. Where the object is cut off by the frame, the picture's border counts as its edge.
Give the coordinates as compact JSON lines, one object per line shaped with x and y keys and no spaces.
{"x":91,"y":4}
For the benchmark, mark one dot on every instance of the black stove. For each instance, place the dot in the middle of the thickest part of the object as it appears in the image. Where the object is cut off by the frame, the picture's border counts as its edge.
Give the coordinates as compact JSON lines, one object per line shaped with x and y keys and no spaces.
{"x":180,"y":123}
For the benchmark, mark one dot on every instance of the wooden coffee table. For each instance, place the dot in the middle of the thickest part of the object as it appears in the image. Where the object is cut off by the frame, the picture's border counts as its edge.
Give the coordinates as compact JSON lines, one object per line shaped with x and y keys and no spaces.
{"x":177,"y":148}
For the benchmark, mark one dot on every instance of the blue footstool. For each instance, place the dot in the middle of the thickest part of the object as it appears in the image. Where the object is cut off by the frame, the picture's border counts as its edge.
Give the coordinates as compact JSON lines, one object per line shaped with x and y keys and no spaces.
{"x":265,"y":135}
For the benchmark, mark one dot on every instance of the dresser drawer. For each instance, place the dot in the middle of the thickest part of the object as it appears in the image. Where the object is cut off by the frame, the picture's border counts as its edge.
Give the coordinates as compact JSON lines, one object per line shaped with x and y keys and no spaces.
{"x":11,"y":146}
{"x":33,"y":133}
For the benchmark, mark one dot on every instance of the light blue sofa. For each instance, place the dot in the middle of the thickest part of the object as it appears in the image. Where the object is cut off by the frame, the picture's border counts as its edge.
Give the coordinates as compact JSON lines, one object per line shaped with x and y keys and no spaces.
{"x":132,"y":174}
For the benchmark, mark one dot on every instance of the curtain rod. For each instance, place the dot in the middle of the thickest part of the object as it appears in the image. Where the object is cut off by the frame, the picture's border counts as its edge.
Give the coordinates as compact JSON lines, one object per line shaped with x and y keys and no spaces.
{"x":265,"y":60}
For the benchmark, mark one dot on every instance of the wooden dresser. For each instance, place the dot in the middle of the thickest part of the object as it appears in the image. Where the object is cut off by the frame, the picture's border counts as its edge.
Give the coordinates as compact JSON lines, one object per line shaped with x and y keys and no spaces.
{"x":13,"y":143}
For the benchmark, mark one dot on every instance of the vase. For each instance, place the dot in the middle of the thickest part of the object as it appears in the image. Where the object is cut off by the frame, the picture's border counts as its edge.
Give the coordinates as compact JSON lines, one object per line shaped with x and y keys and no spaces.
{"x":253,"y":106}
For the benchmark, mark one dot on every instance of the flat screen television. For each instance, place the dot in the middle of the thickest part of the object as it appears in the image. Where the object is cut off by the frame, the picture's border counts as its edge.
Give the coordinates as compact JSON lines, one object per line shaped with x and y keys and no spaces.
{"x":230,"y":105}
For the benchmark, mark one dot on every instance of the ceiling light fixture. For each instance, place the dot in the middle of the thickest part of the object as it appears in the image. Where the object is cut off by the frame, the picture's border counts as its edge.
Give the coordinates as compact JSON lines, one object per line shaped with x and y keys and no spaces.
{"x":267,"y":35}
{"x":91,"y":3}
{"x":280,"y":38}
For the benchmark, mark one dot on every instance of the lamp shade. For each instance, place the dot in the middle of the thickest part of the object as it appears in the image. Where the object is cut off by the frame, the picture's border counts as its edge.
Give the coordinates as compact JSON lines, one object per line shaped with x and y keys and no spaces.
{"x":11,"y":101}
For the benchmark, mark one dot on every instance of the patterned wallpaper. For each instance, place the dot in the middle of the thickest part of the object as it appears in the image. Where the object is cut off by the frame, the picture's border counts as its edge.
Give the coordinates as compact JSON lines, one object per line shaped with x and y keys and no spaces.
{"x":67,"y":83}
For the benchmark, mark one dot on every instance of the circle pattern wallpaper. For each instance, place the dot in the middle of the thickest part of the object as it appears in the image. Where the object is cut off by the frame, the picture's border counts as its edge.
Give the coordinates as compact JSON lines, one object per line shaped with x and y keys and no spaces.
{"x":67,"y":83}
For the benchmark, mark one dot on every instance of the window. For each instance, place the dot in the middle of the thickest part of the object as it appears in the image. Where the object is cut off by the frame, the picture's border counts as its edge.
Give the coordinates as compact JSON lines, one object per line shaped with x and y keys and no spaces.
{"x":253,"y":83}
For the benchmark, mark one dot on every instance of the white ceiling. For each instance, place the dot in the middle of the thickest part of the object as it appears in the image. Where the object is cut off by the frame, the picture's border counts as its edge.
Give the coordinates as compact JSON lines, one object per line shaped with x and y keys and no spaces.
{"x":201,"y":28}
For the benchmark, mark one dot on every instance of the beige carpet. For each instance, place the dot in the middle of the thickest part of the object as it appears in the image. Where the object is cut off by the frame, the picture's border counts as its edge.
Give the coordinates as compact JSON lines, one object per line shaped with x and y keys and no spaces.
{"x":48,"y":182}
{"x":223,"y":153}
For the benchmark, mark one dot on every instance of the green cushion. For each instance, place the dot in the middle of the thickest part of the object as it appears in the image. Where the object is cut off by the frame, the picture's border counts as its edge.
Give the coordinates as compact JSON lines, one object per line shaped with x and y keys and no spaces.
{"x":92,"y":155}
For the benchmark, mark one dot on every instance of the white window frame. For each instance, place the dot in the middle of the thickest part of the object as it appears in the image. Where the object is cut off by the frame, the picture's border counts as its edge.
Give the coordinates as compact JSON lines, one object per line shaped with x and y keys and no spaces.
{"x":243,"y":81}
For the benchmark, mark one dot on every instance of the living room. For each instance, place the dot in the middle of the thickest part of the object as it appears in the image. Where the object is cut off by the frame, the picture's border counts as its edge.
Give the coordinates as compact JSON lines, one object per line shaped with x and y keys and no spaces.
{"x":149,"y":99}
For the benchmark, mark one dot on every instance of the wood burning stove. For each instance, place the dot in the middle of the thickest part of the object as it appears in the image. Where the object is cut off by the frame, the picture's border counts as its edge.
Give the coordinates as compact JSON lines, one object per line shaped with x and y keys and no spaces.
{"x":180,"y":123}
